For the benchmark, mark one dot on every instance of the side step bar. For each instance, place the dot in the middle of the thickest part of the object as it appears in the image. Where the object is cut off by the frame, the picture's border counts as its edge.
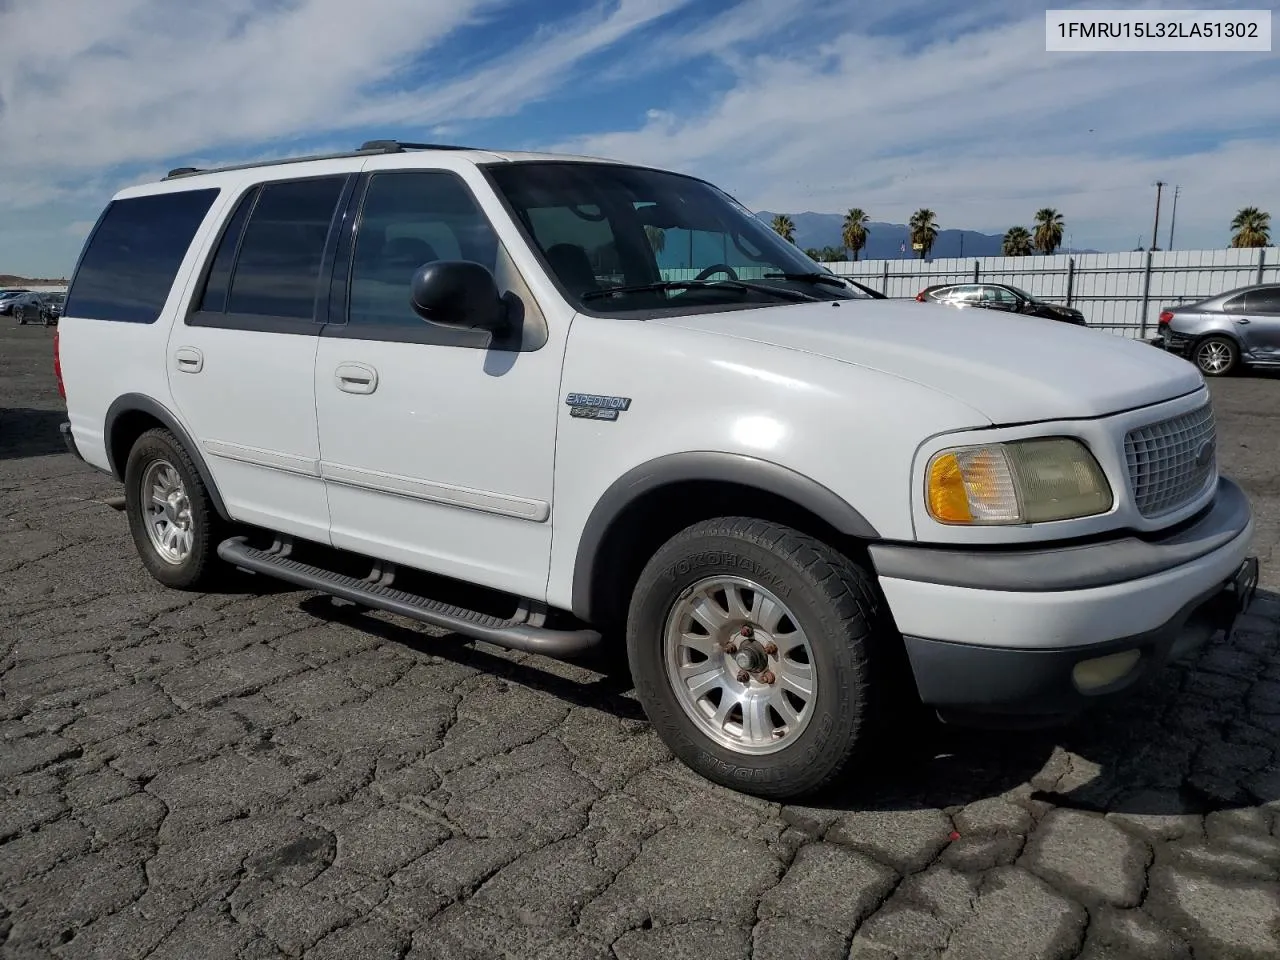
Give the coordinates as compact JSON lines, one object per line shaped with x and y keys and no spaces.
{"x":517,"y":633}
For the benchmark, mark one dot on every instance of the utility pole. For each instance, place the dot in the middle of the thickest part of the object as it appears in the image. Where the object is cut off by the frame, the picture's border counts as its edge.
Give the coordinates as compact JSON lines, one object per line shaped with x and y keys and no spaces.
{"x":1156,"y":227}
{"x":1173,"y":215}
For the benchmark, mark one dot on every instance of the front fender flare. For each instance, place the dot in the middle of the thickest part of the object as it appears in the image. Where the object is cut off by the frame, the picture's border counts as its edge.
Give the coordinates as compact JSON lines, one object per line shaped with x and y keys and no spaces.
{"x":739,"y":469}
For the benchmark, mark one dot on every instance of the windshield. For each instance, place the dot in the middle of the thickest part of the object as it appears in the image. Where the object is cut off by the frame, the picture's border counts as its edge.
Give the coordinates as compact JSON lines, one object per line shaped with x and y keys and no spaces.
{"x":603,"y":226}
{"x":56,"y":297}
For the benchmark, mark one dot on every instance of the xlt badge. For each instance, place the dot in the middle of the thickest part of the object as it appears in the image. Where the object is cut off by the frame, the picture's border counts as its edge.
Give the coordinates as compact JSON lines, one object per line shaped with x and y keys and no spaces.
{"x":594,"y":406}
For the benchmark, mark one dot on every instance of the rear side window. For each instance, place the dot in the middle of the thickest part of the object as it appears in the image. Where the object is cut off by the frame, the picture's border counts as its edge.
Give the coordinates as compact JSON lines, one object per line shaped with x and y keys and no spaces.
{"x":278,"y":267}
{"x":1265,"y":300}
{"x":265,"y":272}
{"x":133,"y":255}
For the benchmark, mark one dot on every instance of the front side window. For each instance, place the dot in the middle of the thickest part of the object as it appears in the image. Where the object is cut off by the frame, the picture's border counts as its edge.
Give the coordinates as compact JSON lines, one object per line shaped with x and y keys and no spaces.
{"x":621,"y":239}
{"x":133,"y":255}
{"x":410,"y":218}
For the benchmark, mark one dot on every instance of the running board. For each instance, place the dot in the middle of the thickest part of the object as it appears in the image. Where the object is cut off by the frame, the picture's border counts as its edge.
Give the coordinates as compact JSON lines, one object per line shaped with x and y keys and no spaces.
{"x":517,"y":633}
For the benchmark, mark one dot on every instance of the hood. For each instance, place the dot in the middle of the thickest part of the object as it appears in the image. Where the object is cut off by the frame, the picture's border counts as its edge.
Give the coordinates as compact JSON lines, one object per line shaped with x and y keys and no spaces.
{"x":1011,"y":368}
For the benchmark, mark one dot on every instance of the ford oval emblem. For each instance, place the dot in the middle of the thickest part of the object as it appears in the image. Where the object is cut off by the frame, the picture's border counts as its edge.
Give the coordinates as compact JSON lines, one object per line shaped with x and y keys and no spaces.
{"x":1204,"y":455}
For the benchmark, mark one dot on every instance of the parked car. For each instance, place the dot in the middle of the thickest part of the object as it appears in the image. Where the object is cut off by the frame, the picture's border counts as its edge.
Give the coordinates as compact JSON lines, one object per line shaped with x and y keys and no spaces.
{"x":393,"y":376}
{"x":53,"y":304}
{"x":1239,"y":328}
{"x":998,"y":296}
{"x":6,"y":300}
{"x":29,"y":307}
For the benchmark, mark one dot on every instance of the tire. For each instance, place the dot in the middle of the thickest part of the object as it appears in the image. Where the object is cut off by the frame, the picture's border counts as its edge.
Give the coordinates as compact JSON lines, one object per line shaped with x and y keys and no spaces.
{"x":1216,"y":356}
{"x":21,"y":314}
{"x":828,"y":598}
{"x":187,"y":559}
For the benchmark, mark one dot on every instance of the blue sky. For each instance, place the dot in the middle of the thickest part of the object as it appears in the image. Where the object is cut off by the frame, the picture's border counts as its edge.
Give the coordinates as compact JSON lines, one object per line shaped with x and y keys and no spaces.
{"x":791,"y":105}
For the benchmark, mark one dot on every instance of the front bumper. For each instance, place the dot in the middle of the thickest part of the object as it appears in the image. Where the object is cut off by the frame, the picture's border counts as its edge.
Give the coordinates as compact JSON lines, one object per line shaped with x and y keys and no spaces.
{"x":968,"y":683}
{"x":1002,"y":633}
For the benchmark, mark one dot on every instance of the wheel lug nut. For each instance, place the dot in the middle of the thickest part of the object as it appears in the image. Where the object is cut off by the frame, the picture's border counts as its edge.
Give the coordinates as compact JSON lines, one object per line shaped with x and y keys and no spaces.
{"x":771,"y":649}
{"x":743,"y":676}
{"x":767,"y":677}
{"x":746,"y":631}
{"x":731,"y":648}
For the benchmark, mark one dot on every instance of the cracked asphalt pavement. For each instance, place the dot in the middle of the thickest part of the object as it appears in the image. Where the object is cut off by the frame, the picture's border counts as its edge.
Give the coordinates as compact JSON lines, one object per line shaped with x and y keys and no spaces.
{"x":261,"y":774}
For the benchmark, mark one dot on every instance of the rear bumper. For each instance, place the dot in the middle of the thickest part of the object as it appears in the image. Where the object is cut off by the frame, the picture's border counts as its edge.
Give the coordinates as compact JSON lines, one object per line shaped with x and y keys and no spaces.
{"x":68,"y":438}
{"x":1004,"y":631}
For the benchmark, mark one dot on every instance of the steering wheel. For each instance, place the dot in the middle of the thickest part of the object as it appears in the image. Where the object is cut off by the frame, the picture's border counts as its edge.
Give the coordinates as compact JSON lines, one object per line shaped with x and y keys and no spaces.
{"x":717,"y":268}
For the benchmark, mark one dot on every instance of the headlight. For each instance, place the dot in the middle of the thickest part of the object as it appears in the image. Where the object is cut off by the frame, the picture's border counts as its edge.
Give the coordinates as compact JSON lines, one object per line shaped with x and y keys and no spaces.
{"x":1024,"y":481}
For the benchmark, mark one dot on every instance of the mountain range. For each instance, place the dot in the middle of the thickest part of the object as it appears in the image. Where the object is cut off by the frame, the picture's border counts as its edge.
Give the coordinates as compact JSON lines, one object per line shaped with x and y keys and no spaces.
{"x":885,"y":240}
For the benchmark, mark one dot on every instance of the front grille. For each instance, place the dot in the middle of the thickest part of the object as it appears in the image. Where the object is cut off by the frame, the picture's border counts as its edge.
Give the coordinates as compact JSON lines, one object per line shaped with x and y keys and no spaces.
{"x":1171,"y":461}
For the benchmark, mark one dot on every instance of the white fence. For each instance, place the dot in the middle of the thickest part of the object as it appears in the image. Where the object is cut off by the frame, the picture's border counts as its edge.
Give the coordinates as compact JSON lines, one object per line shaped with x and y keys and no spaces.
{"x":1120,"y":292}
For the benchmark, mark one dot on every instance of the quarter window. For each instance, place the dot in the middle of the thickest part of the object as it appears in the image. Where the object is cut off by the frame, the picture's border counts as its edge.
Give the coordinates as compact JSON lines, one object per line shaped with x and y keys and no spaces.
{"x":133,"y":255}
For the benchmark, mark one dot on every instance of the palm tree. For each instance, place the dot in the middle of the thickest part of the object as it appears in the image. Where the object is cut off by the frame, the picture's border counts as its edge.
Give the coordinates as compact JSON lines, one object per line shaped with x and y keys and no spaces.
{"x":923,"y":227}
{"x":657,"y":237}
{"x":854,"y":234}
{"x":1048,"y":235}
{"x":784,"y":227}
{"x":1017,"y":243}
{"x":1252,"y":228}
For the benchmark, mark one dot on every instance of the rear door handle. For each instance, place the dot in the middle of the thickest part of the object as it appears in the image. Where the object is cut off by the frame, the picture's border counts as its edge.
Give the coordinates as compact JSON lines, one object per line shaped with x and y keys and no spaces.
{"x":188,"y":359}
{"x":1242,"y":320}
{"x":356,"y":378}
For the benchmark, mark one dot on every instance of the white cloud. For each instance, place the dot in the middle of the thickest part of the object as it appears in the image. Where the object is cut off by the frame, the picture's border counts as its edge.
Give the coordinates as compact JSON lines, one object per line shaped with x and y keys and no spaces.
{"x":884,"y":106}
{"x":984,"y":127}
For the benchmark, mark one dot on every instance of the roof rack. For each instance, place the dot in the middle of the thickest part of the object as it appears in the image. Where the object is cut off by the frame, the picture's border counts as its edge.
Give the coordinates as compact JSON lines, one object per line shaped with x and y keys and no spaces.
{"x":367,"y":148}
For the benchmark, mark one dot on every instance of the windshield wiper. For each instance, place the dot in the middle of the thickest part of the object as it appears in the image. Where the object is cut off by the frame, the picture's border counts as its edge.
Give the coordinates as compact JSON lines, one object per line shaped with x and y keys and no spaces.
{"x":821,"y":278}
{"x":780,"y":292}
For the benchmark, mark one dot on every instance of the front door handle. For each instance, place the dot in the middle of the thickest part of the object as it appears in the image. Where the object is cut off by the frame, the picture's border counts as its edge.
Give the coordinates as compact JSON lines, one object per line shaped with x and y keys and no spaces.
{"x":188,"y":359}
{"x":1242,"y":320}
{"x":356,"y":378}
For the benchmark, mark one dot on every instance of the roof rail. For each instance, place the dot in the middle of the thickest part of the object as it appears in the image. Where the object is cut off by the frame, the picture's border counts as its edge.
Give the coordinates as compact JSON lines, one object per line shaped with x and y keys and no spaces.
{"x":367,"y":148}
{"x":400,"y":146}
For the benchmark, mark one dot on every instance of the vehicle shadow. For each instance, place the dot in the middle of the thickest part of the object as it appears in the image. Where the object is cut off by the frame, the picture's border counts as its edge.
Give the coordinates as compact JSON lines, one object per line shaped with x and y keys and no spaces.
{"x":27,"y":432}
{"x":1196,"y":739}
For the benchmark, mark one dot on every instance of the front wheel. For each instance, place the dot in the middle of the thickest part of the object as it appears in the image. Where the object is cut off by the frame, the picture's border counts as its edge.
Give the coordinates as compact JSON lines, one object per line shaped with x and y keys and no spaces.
{"x":1216,"y":356}
{"x":753,"y":648}
{"x":174,"y":524}
{"x":21,"y":314}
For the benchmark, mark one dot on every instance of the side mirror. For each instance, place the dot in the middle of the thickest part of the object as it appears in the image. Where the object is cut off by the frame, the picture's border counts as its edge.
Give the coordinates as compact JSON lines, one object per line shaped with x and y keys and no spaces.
{"x":460,"y":293}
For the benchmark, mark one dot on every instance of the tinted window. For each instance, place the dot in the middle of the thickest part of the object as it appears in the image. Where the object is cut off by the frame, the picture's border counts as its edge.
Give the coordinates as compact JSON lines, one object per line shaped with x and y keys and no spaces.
{"x":1235,"y":304}
{"x":132,"y":257}
{"x":409,"y":219}
{"x":214,"y":297}
{"x":965,"y":293}
{"x":1266,"y":300}
{"x":278,"y":268}
{"x":603,"y":226}
{"x":998,"y":295}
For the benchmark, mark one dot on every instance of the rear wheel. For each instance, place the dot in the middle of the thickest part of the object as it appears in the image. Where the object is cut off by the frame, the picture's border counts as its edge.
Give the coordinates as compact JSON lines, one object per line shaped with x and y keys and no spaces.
{"x":753,"y":648}
{"x":21,"y":314}
{"x":173,"y":521}
{"x":1216,"y":356}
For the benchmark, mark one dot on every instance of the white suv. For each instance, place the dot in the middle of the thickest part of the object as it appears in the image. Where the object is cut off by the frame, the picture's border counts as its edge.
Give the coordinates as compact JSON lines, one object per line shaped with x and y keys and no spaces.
{"x":544,"y":400}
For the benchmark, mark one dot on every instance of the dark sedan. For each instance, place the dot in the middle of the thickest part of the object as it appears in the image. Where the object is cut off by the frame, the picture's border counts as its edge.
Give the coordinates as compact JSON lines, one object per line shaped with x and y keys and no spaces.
{"x":998,"y":296}
{"x":7,"y":298}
